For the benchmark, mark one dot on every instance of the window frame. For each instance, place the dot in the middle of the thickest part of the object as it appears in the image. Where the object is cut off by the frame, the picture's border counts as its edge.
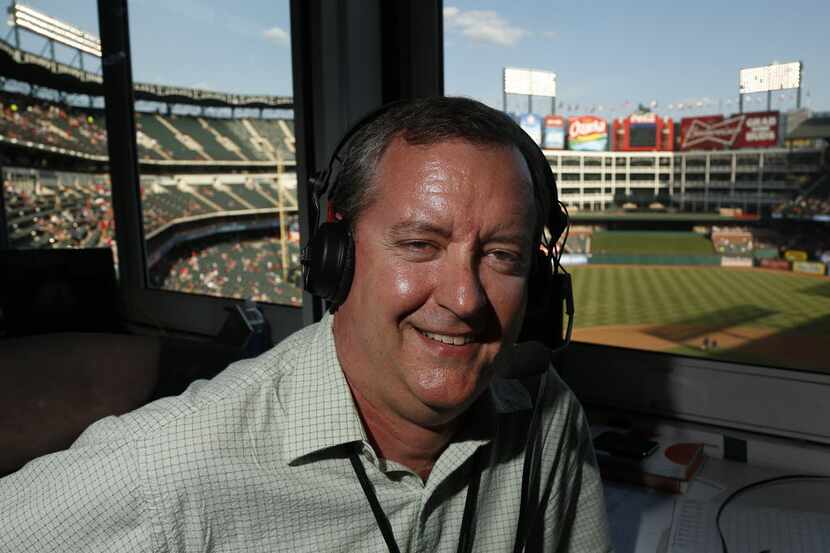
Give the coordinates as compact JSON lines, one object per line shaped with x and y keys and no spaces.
{"x":347,"y":59}
{"x":343,"y":66}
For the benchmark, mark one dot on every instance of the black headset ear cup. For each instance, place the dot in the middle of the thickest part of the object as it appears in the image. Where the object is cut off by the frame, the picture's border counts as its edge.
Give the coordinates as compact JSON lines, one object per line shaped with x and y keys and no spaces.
{"x":328,"y":262}
{"x":536,"y":324}
{"x":347,"y":271}
{"x":557,"y":222}
{"x":539,"y":284}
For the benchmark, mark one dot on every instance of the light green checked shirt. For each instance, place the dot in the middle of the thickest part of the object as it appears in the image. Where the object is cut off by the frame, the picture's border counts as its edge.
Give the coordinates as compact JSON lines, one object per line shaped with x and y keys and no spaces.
{"x":256,"y":460}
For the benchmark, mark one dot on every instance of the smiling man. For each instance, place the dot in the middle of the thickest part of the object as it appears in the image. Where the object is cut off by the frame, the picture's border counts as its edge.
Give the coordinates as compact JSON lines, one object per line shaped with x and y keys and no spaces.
{"x":442,"y":255}
{"x":388,"y":425}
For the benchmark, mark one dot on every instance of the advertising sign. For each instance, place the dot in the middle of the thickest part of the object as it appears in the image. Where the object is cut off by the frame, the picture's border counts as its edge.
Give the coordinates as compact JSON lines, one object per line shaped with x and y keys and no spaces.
{"x":587,"y":133}
{"x":574,"y":259}
{"x":728,"y":261}
{"x":809,"y":267}
{"x":553,"y":135}
{"x":777,"y":264}
{"x":709,"y":132}
{"x":643,"y":132}
{"x":532,"y":125}
{"x":714,"y":132}
{"x":795,"y":255}
{"x":759,"y":130}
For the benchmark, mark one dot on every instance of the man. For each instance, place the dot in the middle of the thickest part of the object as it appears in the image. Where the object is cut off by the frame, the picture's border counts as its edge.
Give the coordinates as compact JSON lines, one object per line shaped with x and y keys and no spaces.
{"x":384,"y":426}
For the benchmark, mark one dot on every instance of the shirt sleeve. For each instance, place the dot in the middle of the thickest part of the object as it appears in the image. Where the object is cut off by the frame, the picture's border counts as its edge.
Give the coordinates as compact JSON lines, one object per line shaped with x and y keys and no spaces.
{"x":86,"y":498}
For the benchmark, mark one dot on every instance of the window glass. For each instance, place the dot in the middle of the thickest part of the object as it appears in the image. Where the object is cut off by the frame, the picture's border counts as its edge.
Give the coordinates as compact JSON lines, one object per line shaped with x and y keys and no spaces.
{"x":215,"y":134}
{"x":52,"y":130}
{"x":700,"y":211}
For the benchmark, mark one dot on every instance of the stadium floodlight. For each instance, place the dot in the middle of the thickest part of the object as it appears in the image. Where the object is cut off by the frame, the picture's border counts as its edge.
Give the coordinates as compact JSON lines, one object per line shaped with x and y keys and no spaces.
{"x":52,"y":29}
{"x":770,"y":78}
{"x":529,"y":82}
{"x":779,"y":76}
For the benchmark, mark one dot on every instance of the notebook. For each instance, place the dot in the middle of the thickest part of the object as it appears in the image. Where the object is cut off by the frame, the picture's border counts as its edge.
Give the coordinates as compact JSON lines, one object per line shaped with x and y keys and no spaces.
{"x":747,"y":529}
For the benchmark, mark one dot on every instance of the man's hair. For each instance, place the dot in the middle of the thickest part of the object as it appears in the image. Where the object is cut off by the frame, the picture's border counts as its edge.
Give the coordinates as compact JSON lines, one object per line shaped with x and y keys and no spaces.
{"x":424,"y":122}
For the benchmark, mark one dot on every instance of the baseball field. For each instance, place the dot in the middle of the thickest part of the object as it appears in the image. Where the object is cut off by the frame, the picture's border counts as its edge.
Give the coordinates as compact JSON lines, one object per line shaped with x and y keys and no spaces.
{"x":750,"y":315}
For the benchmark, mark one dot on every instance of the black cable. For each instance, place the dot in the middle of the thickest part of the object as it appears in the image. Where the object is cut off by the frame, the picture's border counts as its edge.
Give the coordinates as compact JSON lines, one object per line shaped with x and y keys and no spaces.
{"x":748,"y":487}
{"x":567,"y":233}
{"x":380,"y":516}
{"x":465,"y":540}
{"x":527,"y":504}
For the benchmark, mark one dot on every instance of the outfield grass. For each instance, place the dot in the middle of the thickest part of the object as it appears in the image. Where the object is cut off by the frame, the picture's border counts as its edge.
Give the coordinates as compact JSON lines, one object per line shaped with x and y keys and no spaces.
{"x":650,"y":243}
{"x":682,"y":305}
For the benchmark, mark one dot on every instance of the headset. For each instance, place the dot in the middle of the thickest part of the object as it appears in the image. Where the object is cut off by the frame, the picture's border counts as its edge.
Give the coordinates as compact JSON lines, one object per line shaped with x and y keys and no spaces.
{"x":328,"y":256}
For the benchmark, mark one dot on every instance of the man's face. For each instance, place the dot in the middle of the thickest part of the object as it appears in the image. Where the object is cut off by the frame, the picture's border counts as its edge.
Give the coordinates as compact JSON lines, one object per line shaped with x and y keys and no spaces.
{"x":442,"y":256}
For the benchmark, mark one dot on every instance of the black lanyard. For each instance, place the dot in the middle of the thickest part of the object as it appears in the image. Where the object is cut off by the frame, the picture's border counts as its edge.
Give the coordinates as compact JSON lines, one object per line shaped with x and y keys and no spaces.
{"x":465,"y":540}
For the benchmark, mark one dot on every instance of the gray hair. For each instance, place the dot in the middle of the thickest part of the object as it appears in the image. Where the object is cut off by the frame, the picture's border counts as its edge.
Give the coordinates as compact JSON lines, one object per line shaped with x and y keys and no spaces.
{"x":428,"y":121}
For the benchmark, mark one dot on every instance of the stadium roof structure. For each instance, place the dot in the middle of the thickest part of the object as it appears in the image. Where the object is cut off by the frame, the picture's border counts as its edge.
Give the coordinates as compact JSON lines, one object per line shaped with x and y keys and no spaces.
{"x":812,"y":128}
{"x":40,"y":71}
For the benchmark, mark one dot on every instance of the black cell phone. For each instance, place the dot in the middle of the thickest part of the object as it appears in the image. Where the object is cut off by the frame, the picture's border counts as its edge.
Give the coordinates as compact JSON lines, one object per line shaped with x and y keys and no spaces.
{"x":624,"y":445}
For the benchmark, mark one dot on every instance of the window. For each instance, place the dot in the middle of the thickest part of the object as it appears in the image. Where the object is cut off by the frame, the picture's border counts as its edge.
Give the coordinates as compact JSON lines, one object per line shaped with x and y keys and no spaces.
{"x":724,"y":257}
{"x":216,"y":149}
{"x":52,"y":131}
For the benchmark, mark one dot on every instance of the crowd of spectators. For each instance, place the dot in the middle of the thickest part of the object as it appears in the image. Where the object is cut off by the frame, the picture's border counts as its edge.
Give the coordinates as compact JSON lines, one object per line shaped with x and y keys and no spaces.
{"x":239,"y":268}
{"x":78,"y":213}
{"x":816,"y":202}
{"x":48,"y":124}
{"x":74,"y":210}
{"x":58,"y":215}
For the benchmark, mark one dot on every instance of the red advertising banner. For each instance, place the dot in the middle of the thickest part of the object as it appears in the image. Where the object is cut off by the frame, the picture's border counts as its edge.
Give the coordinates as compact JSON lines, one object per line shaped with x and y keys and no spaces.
{"x":643,"y":132}
{"x":777,"y":264}
{"x":714,"y":132}
{"x":760,"y":130}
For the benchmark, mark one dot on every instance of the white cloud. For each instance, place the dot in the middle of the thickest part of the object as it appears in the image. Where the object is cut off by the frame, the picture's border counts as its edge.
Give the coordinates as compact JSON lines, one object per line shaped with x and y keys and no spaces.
{"x":483,"y":26}
{"x":277,"y":35}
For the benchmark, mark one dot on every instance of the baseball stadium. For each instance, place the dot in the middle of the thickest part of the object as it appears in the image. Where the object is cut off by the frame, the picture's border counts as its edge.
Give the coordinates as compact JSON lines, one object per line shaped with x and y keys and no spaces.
{"x":680,"y":242}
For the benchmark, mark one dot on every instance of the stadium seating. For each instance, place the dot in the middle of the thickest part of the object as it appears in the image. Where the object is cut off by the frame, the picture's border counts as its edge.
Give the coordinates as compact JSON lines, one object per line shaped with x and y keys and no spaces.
{"x":59,"y":215}
{"x":276,"y":134}
{"x":160,"y":137}
{"x":75,"y":211}
{"x":814,"y":201}
{"x":236,"y":269}
{"x":237,"y":132}
{"x":254,"y":195}
{"x":27,"y":119}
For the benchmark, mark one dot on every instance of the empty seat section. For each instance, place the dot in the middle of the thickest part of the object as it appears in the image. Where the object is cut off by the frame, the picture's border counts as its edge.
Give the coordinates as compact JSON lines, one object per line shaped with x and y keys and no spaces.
{"x":253,"y":196}
{"x":191,"y":127}
{"x":237,"y":132}
{"x":150,"y":126}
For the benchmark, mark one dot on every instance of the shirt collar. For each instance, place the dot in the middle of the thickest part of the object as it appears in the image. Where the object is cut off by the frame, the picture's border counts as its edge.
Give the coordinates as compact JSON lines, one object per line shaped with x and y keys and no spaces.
{"x":321,"y":413}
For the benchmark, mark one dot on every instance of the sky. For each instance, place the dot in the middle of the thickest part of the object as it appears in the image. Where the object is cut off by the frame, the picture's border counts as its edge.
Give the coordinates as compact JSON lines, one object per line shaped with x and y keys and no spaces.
{"x":609,"y":57}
